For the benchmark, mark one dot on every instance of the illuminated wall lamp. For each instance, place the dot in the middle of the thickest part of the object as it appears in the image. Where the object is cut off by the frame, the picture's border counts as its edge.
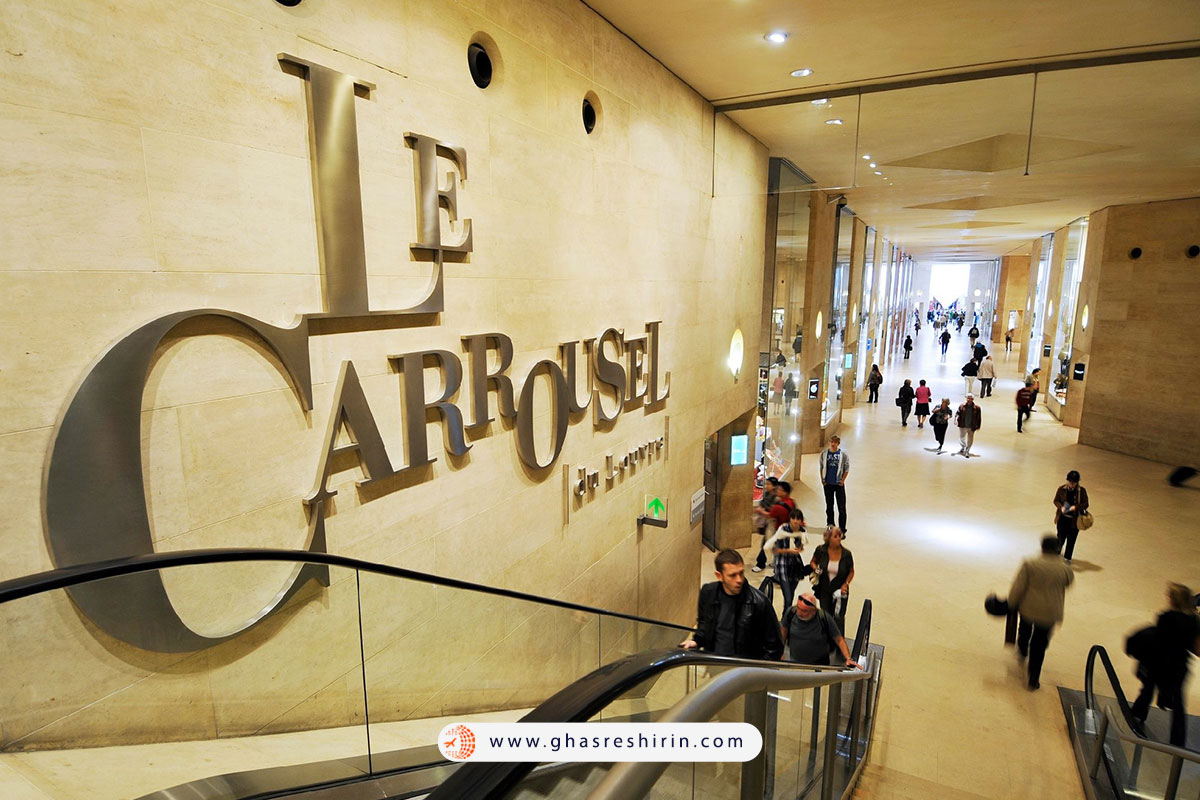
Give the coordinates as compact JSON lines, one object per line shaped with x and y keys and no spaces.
{"x":737,"y":348}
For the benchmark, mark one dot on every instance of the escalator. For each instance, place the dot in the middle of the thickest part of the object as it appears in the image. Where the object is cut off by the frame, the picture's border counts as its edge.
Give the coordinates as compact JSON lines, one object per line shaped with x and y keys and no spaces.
{"x":1118,"y":758}
{"x":343,"y":691}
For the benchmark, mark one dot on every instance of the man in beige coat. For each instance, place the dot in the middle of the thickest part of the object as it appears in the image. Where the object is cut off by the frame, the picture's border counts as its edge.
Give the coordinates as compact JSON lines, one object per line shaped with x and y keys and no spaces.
{"x":1038,"y":593}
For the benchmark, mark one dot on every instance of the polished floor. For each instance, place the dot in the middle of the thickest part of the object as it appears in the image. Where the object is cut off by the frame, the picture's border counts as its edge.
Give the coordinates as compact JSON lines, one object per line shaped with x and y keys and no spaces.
{"x":932,"y":535}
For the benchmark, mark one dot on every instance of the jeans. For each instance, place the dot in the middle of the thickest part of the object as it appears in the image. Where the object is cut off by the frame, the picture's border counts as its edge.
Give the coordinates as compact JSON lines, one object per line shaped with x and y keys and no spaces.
{"x":905,"y":410}
{"x":907,"y":352}
{"x":835,"y":491}
{"x":873,"y":397}
{"x":1068,"y":530}
{"x":985,"y":387}
{"x":966,"y":438}
{"x":944,"y":346}
{"x":1032,"y":640}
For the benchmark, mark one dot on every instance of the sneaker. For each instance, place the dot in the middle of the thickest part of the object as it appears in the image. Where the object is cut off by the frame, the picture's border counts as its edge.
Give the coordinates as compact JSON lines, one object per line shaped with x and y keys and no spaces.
{"x":756,"y":569}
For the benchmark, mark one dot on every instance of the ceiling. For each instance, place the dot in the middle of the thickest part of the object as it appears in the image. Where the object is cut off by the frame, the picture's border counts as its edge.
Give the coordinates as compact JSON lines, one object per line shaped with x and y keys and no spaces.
{"x":952,"y":155}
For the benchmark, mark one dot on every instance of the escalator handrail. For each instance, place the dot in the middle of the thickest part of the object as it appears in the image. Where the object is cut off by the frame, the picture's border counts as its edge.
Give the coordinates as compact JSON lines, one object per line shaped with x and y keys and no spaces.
{"x":636,"y":778}
{"x":1127,"y":734}
{"x":66,"y":577}
{"x":582,"y":700}
{"x":863,"y":637}
{"x":1089,"y":695}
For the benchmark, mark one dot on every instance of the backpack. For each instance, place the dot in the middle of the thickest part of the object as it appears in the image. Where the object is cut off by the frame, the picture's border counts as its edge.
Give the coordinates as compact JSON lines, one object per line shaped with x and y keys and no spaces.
{"x":790,"y":615}
{"x":1142,"y":645}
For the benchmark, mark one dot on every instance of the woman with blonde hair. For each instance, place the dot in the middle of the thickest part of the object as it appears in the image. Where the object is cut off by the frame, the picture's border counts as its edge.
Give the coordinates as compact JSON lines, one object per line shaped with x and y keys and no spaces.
{"x":1163,"y":653}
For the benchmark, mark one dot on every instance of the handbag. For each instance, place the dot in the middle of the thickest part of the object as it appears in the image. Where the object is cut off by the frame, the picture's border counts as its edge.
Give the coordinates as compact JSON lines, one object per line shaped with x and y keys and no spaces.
{"x":1085,"y":520}
{"x":899,"y":402}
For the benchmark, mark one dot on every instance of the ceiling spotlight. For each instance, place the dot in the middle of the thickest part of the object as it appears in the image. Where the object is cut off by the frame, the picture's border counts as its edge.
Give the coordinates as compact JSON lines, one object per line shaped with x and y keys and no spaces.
{"x":801,"y":73}
{"x":833,"y":122}
{"x":877,"y":172}
{"x":867,"y":157}
{"x":872,"y":165}
{"x":776,"y":37}
{"x":820,"y":102}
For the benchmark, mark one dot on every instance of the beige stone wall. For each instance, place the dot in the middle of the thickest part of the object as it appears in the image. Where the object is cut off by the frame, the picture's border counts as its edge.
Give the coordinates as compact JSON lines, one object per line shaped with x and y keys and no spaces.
{"x":153,"y":161}
{"x":1011,"y":296}
{"x":1139,"y":347}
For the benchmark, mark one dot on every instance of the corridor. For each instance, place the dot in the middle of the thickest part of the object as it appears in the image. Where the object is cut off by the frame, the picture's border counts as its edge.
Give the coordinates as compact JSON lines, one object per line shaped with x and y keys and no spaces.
{"x":932,"y":535}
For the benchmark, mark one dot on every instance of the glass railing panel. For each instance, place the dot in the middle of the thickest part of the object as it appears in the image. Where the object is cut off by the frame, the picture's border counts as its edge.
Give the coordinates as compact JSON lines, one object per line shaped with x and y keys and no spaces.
{"x":95,"y":714}
{"x":721,"y":780}
{"x":795,"y":755}
{"x":436,"y":655}
{"x":1149,"y":773}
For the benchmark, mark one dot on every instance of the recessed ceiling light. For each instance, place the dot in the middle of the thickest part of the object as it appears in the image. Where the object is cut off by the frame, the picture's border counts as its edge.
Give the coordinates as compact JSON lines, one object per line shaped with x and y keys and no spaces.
{"x":801,"y":73}
{"x":877,"y":172}
{"x":867,"y":157}
{"x":833,"y":122}
{"x":871,"y":165}
{"x":776,"y":37}
{"x":820,"y":102}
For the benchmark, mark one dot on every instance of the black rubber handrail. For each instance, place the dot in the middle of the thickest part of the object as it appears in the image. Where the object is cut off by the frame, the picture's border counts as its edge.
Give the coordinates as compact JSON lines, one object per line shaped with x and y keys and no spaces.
{"x":1089,"y":695}
{"x":578,"y":703}
{"x":863,"y":637}
{"x":65,"y":577}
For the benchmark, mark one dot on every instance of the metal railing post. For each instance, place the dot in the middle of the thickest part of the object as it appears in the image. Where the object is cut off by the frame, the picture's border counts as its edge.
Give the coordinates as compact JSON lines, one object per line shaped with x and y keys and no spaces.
{"x":754,"y":771}
{"x":831,"y":734}
{"x":1173,"y":779}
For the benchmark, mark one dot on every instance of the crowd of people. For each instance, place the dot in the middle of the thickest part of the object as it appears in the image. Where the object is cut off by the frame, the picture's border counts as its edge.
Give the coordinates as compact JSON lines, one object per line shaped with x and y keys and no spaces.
{"x":737,"y":619}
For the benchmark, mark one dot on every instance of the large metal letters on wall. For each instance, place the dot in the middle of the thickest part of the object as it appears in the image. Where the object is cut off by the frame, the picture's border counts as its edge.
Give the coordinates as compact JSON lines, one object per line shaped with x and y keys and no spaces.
{"x":95,"y":503}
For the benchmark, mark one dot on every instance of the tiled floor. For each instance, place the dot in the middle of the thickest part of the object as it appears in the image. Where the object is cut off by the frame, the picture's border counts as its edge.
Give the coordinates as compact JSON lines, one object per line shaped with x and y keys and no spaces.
{"x":932,"y":535}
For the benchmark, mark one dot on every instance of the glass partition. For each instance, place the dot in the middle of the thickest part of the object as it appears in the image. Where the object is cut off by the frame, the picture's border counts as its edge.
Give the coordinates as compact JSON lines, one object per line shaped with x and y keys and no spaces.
{"x":831,"y":399}
{"x":1056,"y":394}
{"x":89,"y":715}
{"x":866,"y":345}
{"x":780,"y":409}
{"x":1034,"y":356}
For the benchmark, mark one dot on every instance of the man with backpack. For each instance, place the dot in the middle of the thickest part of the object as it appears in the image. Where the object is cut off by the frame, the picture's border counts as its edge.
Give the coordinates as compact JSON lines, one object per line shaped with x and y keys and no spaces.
{"x":811,"y":635}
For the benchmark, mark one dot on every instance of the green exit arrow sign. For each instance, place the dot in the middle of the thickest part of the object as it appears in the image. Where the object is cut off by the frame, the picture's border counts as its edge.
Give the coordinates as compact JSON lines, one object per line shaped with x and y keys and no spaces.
{"x":654,"y":511}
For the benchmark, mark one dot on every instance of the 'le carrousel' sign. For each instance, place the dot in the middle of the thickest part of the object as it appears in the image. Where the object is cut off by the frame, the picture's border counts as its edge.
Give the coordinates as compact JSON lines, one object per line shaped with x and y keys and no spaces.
{"x":95,"y":494}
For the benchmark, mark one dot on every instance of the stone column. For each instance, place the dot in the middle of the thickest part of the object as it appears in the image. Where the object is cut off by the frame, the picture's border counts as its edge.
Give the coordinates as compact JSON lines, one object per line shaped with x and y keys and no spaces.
{"x":818,"y":286}
{"x":1011,"y":294}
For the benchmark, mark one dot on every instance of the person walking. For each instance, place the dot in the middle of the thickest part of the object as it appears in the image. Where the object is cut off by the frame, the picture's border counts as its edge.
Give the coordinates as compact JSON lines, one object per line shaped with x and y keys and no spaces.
{"x":873,"y":382}
{"x":1038,"y":593}
{"x":908,"y":345}
{"x":1070,"y":501}
{"x":1175,"y":634}
{"x":969,"y":418}
{"x":811,"y":637}
{"x":834,"y":464}
{"x":1024,"y":404}
{"x":987,"y":374}
{"x":973,"y":334}
{"x":905,"y":400}
{"x":1008,"y":337}
{"x":777,"y":391}
{"x":834,"y":567}
{"x":945,"y":340}
{"x":924,"y":395}
{"x":969,"y":371}
{"x":940,"y":421}
{"x":786,"y":547}
{"x":1034,"y":381}
{"x":979,"y":352}
{"x":732,"y":617}
{"x":789,"y":393}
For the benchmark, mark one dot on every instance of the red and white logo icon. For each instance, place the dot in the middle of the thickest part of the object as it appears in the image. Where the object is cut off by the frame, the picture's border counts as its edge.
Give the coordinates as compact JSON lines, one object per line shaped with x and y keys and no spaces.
{"x":457,"y":742}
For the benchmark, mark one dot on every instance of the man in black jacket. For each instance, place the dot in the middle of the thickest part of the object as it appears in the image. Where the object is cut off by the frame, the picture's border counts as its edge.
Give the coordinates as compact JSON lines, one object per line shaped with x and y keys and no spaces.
{"x":732,"y":617}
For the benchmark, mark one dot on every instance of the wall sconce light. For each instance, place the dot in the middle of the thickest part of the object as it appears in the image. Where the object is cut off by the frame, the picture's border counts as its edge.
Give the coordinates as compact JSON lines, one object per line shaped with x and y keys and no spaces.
{"x":737,"y":348}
